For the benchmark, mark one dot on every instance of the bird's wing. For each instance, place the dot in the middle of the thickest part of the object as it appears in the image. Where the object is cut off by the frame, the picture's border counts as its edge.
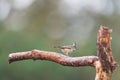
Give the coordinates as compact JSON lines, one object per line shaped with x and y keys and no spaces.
{"x":66,"y":47}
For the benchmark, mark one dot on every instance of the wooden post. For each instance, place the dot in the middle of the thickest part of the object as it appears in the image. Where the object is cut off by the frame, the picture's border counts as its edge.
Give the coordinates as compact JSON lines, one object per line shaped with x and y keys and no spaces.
{"x":106,"y":63}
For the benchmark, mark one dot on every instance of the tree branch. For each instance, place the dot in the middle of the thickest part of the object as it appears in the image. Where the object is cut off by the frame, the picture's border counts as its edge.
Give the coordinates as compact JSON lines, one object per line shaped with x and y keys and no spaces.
{"x":104,"y":61}
{"x":55,"y":57}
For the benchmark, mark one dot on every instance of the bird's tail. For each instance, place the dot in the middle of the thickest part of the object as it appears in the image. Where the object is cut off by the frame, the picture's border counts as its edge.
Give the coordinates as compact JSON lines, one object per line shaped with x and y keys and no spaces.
{"x":57,"y":46}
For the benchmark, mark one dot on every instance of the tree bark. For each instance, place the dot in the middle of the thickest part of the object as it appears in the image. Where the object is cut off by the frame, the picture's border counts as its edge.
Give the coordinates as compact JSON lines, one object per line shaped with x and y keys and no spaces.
{"x":55,"y":57}
{"x":104,"y":62}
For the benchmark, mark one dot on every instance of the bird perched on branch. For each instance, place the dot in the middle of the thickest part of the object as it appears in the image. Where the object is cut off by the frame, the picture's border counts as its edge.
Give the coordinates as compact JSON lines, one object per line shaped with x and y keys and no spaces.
{"x":67,"y":49}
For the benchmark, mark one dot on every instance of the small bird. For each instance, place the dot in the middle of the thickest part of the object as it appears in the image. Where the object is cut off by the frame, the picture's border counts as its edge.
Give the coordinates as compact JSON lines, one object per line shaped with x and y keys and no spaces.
{"x":67,"y":49}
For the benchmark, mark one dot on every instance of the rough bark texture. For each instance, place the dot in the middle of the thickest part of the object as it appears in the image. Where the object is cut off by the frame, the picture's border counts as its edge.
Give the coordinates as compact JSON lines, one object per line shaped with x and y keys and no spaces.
{"x":55,"y":57}
{"x":104,"y":62}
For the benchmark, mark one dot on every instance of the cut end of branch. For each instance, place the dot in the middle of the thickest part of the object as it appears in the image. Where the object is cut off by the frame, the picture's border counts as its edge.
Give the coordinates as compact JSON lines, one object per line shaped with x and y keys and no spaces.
{"x":9,"y":58}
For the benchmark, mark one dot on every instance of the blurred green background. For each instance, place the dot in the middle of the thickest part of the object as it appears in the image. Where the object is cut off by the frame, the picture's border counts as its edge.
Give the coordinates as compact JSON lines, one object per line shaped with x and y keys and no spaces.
{"x":41,"y":24}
